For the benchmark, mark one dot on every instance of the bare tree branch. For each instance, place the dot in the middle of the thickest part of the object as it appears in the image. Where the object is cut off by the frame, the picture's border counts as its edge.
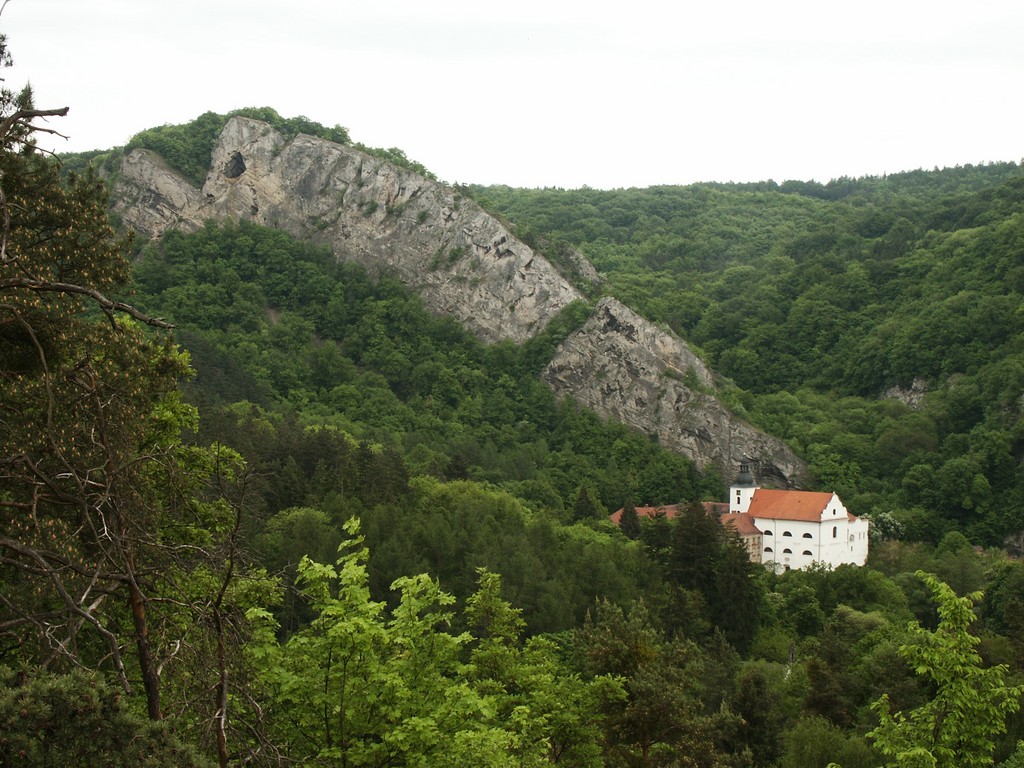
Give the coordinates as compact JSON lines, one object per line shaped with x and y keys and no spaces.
{"x":25,"y":116}
{"x":72,"y":605}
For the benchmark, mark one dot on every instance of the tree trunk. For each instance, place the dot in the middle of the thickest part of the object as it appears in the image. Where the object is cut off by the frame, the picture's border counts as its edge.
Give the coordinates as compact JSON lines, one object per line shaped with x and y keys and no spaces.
{"x":150,"y":677}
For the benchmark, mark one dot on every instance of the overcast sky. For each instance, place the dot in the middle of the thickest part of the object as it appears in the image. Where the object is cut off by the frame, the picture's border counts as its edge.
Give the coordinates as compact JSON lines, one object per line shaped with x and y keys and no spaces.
{"x":555,"y":93}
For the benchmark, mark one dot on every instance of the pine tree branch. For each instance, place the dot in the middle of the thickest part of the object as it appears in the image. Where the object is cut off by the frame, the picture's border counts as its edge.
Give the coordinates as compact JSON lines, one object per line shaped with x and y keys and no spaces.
{"x":109,"y":306}
{"x":24,"y":116}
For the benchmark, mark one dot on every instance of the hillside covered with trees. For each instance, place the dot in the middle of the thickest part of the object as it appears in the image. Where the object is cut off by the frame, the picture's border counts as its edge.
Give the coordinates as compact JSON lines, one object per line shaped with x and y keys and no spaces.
{"x":822,"y":304}
{"x":258,"y":508}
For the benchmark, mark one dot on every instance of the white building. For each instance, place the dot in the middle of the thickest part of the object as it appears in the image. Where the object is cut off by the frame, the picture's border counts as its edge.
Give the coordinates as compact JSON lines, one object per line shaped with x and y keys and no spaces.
{"x":799,"y":528}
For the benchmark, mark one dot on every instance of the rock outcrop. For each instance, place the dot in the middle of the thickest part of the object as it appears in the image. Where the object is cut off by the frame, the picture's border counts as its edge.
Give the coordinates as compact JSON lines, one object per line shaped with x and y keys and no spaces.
{"x":910,"y":396}
{"x":152,"y":197}
{"x":626,"y":368}
{"x":463,"y":263}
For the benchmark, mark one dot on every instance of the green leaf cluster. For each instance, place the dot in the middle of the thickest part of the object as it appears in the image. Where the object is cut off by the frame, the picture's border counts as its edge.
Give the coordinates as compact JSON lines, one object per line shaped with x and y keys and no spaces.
{"x":361,"y":685}
{"x":79,"y":718}
{"x":958,"y":726}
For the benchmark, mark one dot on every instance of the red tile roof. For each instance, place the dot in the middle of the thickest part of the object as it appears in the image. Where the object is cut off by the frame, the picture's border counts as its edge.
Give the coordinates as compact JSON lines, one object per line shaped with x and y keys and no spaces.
{"x":744,"y":524}
{"x":788,"y":505}
{"x":718,"y":507}
{"x":670,"y":511}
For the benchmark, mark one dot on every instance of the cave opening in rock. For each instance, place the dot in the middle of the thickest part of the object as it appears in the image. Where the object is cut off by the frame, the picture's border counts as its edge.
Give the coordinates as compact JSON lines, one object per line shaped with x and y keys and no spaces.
{"x":235,"y":167}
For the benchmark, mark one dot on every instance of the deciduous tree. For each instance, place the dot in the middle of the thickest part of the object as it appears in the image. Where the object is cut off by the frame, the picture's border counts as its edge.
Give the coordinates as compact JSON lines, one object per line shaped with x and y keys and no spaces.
{"x":957,"y":728}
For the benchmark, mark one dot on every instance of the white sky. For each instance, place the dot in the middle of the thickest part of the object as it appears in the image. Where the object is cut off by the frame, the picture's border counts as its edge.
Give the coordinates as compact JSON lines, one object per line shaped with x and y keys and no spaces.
{"x":555,"y":93}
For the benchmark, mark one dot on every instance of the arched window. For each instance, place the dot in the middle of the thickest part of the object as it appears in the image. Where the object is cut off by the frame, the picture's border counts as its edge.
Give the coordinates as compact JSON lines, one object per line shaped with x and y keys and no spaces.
{"x":808,"y":536}
{"x":767,"y":533}
{"x":768,"y":549}
{"x":787,"y":551}
{"x":835,"y":531}
{"x":808,"y":552}
{"x":786,"y":533}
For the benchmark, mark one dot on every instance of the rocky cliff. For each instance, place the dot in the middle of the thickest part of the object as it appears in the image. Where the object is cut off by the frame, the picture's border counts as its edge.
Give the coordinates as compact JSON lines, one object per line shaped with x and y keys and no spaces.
{"x":463,"y":263}
{"x":625,"y":368}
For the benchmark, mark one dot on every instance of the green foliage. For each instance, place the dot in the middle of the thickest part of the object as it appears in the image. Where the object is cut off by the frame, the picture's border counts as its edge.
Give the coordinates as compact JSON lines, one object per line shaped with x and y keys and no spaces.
{"x":586,"y":507}
{"x":92,"y":414}
{"x":359,"y":685}
{"x":629,"y":522}
{"x":119,"y":544}
{"x":81,"y":719}
{"x":552,"y":573}
{"x":817,"y":743}
{"x":339,"y":388}
{"x":357,"y":688}
{"x":711,"y":581}
{"x":760,"y":729}
{"x":814,"y":299}
{"x":661,"y":720}
{"x":187,"y":147}
{"x":530,"y":678}
{"x":1003,"y":606}
{"x":348,"y":399}
{"x":105,"y":162}
{"x":971,"y":702}
{"x":540,"y":348}
{"x":1016,"y":760}
{"x":392,"y":155}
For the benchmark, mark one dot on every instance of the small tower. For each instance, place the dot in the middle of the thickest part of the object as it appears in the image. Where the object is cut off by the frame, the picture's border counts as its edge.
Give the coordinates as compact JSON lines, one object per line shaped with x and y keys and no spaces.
{"x":742,"y":490}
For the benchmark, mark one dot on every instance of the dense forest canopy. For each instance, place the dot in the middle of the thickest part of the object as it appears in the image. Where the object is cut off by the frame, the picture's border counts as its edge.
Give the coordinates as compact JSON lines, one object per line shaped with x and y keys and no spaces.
{"x":818,"y":300}
{"x":332,"y":529}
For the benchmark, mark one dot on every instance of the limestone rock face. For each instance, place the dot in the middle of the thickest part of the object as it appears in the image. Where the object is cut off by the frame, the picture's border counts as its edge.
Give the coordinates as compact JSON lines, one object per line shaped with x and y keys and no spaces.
{"x":464,"y":264}
{"x":462,"y":261}
{"x":152,"y":197}
{"x":627,"y":369}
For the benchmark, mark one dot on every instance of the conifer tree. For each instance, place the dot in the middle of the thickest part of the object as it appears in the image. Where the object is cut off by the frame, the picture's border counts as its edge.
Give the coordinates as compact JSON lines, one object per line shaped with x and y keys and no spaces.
{"x":118,"y":543}
{"x":630,"y":522}
{"x":80,"y":719}
{"x":697,"y":538}
{"x":586,"y":506}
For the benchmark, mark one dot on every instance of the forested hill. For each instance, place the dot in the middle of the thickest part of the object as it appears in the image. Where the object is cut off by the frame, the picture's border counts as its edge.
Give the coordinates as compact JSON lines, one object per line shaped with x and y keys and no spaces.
{"x":461,"y":261}
{"x":853,"y":286}
{"x":261,"y":507}
{"x":874,"y":323}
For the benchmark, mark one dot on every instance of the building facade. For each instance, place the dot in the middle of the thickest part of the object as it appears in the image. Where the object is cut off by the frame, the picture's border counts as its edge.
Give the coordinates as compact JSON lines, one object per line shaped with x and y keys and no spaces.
{"x":799,"y":528}
{"x":784,"y":529}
